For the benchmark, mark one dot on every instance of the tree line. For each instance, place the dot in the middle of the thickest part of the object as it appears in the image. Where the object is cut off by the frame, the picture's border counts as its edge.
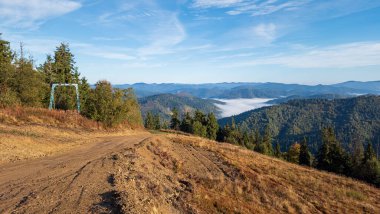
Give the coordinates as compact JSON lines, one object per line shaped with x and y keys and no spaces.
{"x":198,"y":123}
{"x":22,"y":83}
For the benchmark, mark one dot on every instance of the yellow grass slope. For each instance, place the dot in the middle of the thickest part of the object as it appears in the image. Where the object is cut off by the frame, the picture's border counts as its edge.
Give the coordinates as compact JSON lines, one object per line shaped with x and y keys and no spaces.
{"x":182,"y":174}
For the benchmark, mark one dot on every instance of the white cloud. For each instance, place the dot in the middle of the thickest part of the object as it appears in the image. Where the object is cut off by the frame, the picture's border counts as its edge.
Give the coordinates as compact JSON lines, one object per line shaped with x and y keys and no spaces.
{"x":233,"y":107}
{"x":340,"y":56}
{"x":252,"y":7}
{"x":28,"y":13}
{"x":215,"y":3}
{"x":266,"y":31}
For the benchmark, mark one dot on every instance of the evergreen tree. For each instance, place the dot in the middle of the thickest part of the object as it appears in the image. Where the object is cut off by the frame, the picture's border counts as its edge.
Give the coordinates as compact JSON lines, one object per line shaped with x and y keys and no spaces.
{"x":245,"y":141}
{"x":212,"y":126}
{"x":305,"y":157}
{"x":369,"y":153}
{"x":84,"y":93}
{"x":175,"y":122}
{"x":357,"y":156}
{"x":267,"y":142}
{"x":64,"y":71}
{"x":277,"y":151}
{"x":199,"y":129}
{"x":200,"y":117}
{"x":293,"y":154}
{"x":157,"y":122}
{"x":149,"y":121}
{"x":331,"y":156}
{"x":187,"y":123}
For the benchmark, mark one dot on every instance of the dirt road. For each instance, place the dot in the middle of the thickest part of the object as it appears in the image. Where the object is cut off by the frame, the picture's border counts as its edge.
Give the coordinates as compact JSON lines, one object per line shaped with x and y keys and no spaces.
{"x":80,"y":181}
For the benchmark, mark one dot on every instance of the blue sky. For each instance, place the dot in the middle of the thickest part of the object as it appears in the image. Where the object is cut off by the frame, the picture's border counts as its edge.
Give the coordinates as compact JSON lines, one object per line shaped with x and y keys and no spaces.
{"x":197,"y":41}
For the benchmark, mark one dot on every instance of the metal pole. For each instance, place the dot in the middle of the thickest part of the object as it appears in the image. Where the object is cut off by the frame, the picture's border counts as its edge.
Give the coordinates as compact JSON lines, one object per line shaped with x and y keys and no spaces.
{"x":52,"y":104}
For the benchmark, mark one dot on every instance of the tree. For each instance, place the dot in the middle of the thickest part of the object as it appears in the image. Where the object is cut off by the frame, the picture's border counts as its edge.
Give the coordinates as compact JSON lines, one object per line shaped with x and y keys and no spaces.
{"x":7,"y":96}
{"x":331,"y":155}
{"x":149,"y":121}
{"x":212,"y":126}
{"x":84,"y":93}
{"x":28,"y":83}
{"x":369,"y":153}
{"x":199,"y":129}
{"x":175,"y":122}
{"x":157,"y":122}
{"x":357,"y":156}
{"x":370,"y":167}
{"x":187,"y":123}
{"x":113,"y":107}
{"x":265,"y":147}
{"x":64,"y":71}
{"x":294,"y":153}
{"x":277,"y":151}
{"x":305,"y":157}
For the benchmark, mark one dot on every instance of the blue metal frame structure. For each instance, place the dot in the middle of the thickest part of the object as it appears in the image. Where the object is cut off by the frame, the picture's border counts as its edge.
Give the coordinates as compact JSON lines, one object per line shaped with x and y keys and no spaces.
{"x":52,"y":104}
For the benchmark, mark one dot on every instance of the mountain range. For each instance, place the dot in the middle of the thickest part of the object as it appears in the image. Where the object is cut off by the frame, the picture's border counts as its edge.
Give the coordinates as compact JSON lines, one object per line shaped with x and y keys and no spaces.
{"x":253,"y":90}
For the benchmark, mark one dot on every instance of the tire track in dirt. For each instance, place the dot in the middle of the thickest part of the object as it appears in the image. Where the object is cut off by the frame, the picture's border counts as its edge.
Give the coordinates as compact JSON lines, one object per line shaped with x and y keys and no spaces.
{"x":77,"y":181}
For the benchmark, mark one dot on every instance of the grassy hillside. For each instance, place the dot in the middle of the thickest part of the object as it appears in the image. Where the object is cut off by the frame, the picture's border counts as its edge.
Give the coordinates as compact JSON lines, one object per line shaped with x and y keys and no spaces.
{"x":354,"y":119}
{"x":163,"y":104}
{"x":179,"y":174}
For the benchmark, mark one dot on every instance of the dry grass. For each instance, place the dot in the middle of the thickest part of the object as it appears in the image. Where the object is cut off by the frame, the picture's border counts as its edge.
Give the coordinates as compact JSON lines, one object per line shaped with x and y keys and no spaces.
{"x":45,"y":117}
{"x":27,"y":133}
{"x":254,"y":183}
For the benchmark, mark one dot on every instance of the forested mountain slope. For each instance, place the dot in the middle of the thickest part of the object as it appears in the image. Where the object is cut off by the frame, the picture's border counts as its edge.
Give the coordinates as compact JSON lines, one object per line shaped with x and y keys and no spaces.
{"x":164,"y":103}
{"x":354,"y":119}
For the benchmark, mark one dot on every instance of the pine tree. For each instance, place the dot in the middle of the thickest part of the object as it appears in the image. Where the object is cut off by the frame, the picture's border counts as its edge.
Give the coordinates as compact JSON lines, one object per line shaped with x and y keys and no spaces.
{"x":84,"y":94}
{"x":199,"y":129}
{"x":369,"y":153}
{"x":149,"y":121}
{"x":331,"y":155}
{"x":370,"y":167}
{"x":64,"y":71}
{"x":175,"y":122}
{"x":294,"y":153}
{"x":187,"y":123}
{"x":157,"y":122}
{"x":277,"y":151}
{"x":212,"y":126}
{"x":305,"y":157}
{"x":357,"y":156}
{"x":267,"y":142}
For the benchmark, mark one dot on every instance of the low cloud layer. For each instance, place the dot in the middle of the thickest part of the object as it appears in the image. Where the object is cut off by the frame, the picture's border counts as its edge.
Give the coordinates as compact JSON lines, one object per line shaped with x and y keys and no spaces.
{"x":237,"y":106}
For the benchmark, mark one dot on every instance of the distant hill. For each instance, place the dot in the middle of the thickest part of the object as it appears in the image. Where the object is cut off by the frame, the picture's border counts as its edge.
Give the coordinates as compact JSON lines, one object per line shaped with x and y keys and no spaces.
{"x":253,"y":90}
{"x":354,"y":119}
{"x":163,"y":104}
{"x":317,"y":96}
{"x":372,"y":85}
